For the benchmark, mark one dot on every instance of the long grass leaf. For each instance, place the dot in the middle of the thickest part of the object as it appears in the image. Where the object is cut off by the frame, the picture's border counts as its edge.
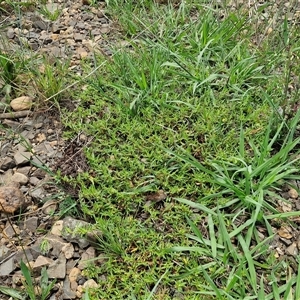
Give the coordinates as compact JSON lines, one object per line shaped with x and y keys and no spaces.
{"x":212,"y":284}
{"x":297,"y":288}
{"x":250,"y":262}
{"x":212,"y":235}
{"x":224,"y":233}
{"x":11,"y":292}
{"x":156,"y":286}
{"x":197,"y":205}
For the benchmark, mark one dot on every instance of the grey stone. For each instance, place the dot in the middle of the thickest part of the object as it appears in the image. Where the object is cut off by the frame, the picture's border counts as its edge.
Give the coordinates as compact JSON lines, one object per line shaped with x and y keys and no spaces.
{"x":34,"y":180}
{"x":38,"y":194}
{"x":67,"y":291}
{"x":68,"y":250}
{"x":40,"y":25}
{"x":7,"y":267}
{"x":86,"y":258}
{"x":70,"y":231}
{"x":81,"y":25}
{"x":91,"y":283}
{"x":7,"y":163}
{"x":49,"y":207}
{"x":4,"y":251}
{"x":21,"y":158}
{"x":57,"y":269}
{"x":10,"y":33}
{"x":31,"y":223}
{"x":41,"y":262}
{"x":24,"y":170}
{"x":10,"y":231}
{"x":56,"y":243}
{"x":32,"y":35}
{"x":33,"y":46}
{"x":19,"y":178}
{"x":5,"y":178}
{"x":78,"y":37}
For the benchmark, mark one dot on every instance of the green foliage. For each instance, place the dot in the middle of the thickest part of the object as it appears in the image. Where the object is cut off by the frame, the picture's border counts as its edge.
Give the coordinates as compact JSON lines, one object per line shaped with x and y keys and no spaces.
{"x":50,"y":15}
{"x":34,"y":292}
{"x":235,"y":247}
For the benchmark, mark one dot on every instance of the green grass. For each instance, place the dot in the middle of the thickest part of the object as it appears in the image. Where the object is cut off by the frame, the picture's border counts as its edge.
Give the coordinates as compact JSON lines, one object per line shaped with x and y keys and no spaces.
{"x":200,"y":85}
{"x":201,"y":104}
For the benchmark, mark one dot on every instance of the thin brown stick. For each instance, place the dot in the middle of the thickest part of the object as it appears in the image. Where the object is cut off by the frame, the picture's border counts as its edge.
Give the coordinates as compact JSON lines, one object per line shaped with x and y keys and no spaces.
{"x":15,"y":115}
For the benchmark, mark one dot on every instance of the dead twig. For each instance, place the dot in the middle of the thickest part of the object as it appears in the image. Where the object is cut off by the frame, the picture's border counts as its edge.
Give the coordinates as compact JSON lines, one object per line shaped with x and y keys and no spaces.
{"x":15,"y":115}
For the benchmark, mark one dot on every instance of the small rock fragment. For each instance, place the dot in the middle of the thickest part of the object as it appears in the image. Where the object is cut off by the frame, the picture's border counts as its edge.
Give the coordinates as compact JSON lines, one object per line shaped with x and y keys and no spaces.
{"x":91,"y":283}
{"x":78,"y":37}
{"x":7,"y":267}
{"x":41,"y":262}
{"x":57,"y":227}
{"x":22,"y":157}
{"x":284,"y":233}
{"x":38,"y":194}
{"x":71,"y":233}
{"x":21,"y":103}
{"x":74,"y":274}
{"x":10,"y":33}
{"x":158,"y":196}
{"x":34,"y":180}
{"x":7,"y":163}
{"x":292,"y":249}
{"x":19,"y":178}
{"x":293,"y":193}
{"x":49,"y":208}
{"x":57,"y":269}
{"x":10,"y":231}
{"x":31,"y":224}
{"x":68,"y":250}
{"x":11,"y":199}
{"x":67,"y":291}
{"x":86,"y":258}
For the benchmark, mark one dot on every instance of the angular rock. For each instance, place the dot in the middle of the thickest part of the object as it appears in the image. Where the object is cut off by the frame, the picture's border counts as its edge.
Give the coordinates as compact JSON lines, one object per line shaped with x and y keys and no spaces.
{"x":41,"y":262}
{"x":21,"y":103}
{"x":68,"y":250}
{"x":7,"y":267}
{"x":71,"y":233}
{"x":56,"y":243}
{"x":31,"y":254}
{"x":87,"y":258}
{"x":3,"y":251}
{"x":49,"y":208}
{"x":57,"y":269}
{"x":24,"y":170}
{"x":5,"y":178}
{"x":22,"y":157}
{"x":40,"y":25}
{"x":31,"y":224}
{"x":38,"y":194}
{"x":7,"y":163}
{"x":78,"y":37}
{"x":74,"y":273}
{"x":292,"y":250}
{"x":10,"y":231}
{"x":67,"y":291}
{"x":34,"y":180}
{"x":11,"y":199}
{"x":19,"y":178}
{"x":91,"y":283}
